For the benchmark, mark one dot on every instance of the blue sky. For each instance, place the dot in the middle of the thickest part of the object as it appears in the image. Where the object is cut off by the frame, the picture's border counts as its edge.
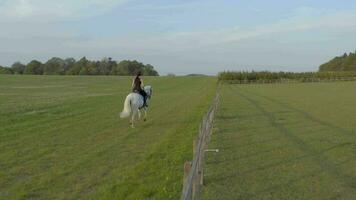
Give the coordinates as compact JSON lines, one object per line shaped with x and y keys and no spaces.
{"x":181,"y":37}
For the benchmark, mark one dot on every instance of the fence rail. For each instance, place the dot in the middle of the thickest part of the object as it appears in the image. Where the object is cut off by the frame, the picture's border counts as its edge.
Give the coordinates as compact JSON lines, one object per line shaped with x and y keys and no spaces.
{"x":193,"y":171}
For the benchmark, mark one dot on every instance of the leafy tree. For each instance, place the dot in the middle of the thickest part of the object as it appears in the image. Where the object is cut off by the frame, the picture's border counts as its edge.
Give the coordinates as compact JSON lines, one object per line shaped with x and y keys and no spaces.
{"x":148,"y":70}
{"x":107,"y":66}
{"x":83,"y":64}
{"x":34,"y":67}
{"x":77,"y":67}
{"x":18,"y":68}
{"x":54,"y":66}
{"x":127,"y":67}
{"x":84,"y":71}
{"x":124,"y":68}
{"x":93,"y":68}
{"x":69,"y":66}
{"x":5,"y":70}
{"x":271,"y":77}
{"x":341,"y":63}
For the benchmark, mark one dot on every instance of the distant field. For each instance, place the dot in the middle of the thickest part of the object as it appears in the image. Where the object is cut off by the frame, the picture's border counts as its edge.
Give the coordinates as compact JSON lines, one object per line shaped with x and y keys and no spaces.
{"x":61,"y":137}
{"x":284,"y":141}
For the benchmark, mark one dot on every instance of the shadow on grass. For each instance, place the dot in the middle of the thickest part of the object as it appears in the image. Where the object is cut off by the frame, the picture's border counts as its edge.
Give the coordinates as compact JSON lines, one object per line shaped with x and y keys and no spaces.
{"x":309,"y":151}
{"x":308,"y":116}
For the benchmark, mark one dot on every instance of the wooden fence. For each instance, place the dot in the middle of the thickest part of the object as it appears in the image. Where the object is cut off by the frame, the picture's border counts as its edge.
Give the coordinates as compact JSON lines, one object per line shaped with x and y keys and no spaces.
{"x":193,"y":171}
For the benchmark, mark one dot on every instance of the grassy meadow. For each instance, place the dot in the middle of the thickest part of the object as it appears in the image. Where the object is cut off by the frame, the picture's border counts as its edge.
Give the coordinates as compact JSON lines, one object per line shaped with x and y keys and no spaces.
{"x":284,"y":141}
{"x":61,"y":137}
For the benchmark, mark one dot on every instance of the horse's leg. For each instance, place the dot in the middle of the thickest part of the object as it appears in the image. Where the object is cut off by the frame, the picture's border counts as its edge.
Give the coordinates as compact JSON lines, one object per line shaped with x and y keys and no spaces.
{"x":139,"y":114}
{"x":145,"y":118}
{"x":133,"y":118}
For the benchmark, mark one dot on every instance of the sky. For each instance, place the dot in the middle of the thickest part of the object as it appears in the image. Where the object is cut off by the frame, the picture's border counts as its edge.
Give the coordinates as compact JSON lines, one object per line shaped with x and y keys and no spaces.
{"x":181,"y":37}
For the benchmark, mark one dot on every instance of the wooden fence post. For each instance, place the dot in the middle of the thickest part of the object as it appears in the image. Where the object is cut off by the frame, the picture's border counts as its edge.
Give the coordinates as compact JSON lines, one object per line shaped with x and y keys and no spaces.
{"x":195,"y":189}
{"x":187,"y":169}
{"x":201,"y":169}
{"x":193,"y":171}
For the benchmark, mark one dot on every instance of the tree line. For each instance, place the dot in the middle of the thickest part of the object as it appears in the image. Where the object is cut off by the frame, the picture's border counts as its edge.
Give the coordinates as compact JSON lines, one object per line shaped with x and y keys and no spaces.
{"x":273,"y":77}
{"x":346,"y":62}
{"x":83,"y":66}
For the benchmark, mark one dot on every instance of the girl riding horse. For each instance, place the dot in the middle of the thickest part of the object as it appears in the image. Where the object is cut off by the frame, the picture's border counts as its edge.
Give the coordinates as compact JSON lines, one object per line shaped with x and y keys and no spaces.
{"x":137,"y":100}
{"x":137,"y":85}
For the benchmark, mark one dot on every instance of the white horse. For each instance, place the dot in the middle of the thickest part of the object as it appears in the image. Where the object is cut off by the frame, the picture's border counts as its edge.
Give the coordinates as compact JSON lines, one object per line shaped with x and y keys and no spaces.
{"x":134,"y":103}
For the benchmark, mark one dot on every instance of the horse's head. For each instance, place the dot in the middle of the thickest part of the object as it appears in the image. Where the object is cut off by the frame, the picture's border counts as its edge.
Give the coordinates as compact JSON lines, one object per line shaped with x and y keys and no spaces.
{"x":148,"y":90}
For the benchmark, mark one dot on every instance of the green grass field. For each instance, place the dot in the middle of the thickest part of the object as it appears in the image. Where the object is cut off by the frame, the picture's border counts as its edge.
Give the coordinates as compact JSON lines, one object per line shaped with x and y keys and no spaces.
{"x":284,"y":141}
{"x":61,"y":137}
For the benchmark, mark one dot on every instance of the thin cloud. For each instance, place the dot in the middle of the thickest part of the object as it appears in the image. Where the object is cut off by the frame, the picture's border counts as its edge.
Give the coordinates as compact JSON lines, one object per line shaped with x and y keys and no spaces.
{"x":300,"y":22}
{"x":51,"y":10}
{"x":165,"y":7}
{"x":182,"y":41}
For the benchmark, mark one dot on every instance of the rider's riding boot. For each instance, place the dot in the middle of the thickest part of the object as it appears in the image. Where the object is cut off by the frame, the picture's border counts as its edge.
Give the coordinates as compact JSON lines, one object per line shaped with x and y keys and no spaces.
{"x":144,"y":102}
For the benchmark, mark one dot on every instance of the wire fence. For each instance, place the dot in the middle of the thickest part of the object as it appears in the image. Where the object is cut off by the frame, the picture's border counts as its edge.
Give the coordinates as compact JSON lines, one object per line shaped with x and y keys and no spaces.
{"x":193,"y":171}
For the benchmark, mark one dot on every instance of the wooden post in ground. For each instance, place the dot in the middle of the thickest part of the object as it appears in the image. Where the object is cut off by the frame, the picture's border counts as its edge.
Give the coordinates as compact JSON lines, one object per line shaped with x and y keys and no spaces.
{"x":187,"y":168}
{"x":195,"y":152}
{"x":201,"y":172}
{"x":197,"y":183}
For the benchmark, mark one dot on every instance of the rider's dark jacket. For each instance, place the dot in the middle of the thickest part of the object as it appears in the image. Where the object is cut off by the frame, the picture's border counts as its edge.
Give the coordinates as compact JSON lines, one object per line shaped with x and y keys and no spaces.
{"x":136,"y":85}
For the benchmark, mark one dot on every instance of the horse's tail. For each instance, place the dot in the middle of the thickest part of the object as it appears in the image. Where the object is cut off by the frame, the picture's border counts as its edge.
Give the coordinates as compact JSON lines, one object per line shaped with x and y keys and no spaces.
{"x":127,"y":108}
